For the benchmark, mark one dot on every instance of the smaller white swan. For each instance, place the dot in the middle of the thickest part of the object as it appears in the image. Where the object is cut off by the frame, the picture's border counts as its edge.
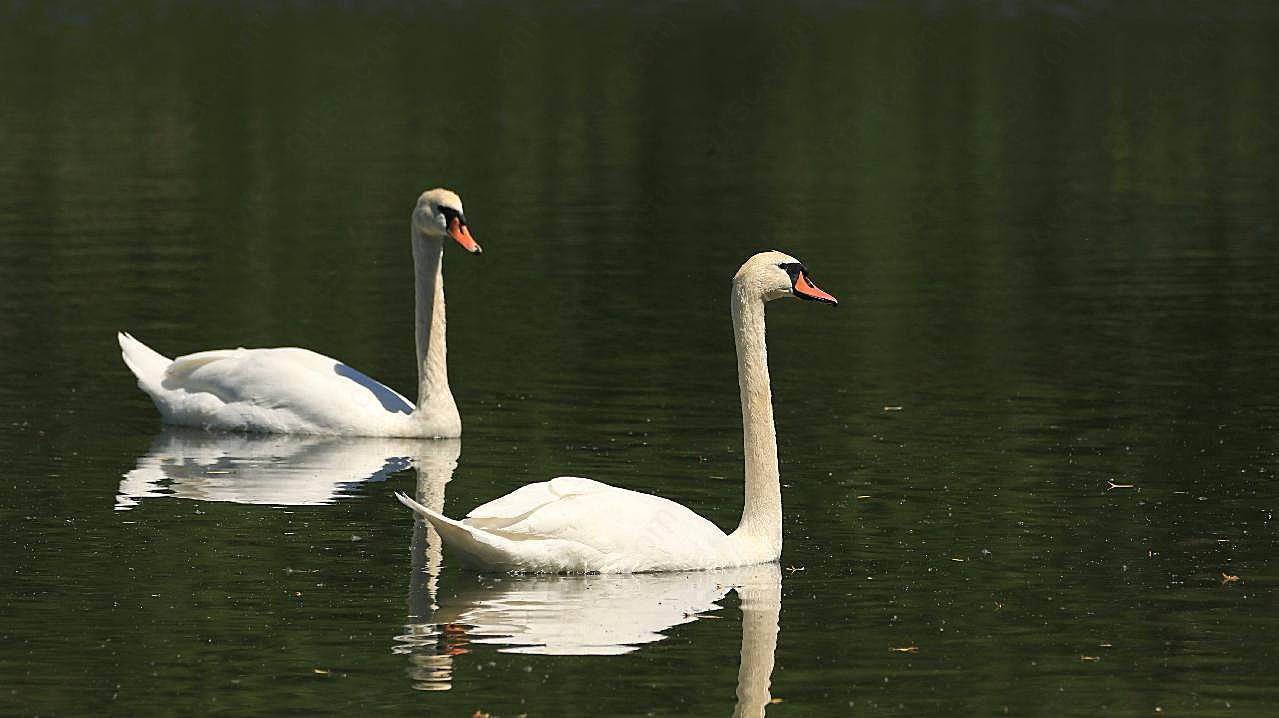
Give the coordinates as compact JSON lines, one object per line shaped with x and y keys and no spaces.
{"x":576,"y":525}
{"x":297,"y":391}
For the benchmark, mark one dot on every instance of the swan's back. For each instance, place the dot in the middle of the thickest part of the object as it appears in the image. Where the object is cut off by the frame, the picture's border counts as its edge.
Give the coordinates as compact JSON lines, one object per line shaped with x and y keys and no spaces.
{"x":602,"y":528}
{"x":278,"y":390}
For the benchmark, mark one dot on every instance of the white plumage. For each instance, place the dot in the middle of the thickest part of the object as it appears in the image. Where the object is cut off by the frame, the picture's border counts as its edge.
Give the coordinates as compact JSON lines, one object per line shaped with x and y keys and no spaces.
{"x":575,"y":525}
{"x":284,"y":390}
{"x":298,"y":391}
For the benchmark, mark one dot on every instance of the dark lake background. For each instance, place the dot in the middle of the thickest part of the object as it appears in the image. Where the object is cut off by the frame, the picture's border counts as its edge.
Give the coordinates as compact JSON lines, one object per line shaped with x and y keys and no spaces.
{"x":1052,"y":228}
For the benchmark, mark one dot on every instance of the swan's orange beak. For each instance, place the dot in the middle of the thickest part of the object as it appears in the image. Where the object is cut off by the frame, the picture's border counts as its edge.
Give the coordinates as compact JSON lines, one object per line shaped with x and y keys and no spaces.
{"x":459,"y":232}
{"x":805,"y":289}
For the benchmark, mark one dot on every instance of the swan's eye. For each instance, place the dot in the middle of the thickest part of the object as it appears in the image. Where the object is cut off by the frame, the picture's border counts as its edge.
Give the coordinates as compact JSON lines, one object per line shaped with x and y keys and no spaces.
{"x":449,"y":214}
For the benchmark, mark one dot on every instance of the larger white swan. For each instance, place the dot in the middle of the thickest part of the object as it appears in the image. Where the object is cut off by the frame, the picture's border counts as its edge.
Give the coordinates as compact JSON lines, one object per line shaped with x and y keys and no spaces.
{"x":572,"y":525}
{"x":297,"y":391}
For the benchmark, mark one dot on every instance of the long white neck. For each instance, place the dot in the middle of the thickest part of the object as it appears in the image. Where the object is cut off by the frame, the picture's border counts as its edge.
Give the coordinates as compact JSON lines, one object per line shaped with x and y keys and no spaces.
{"x":760,"y":531}
{"x":433,"y":395}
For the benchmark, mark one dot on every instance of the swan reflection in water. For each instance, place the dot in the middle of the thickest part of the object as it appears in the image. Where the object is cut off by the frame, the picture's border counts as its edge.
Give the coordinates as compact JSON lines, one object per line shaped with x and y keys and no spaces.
{"x":598,"y":615}
{"x":275,"y":469}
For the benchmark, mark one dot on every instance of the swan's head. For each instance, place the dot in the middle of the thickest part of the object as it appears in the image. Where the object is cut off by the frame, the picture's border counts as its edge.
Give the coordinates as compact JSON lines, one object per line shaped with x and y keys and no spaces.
{"x":772,"y":275}
{"x":439,"y":214}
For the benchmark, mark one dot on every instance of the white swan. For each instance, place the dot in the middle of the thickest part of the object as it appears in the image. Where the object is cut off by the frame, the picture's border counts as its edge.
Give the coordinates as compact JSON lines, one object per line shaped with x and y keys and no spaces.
{"x":572,"y":525}
{"x":297,"y":391}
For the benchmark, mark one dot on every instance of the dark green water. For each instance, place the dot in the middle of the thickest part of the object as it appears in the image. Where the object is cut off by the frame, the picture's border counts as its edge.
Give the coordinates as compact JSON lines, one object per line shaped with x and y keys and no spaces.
{"x":1052,"y":229}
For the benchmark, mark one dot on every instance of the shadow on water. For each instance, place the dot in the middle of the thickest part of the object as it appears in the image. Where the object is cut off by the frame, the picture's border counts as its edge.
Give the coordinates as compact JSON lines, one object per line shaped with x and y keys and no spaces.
{"x":275,"y":469}
{"x":1054,"y":222}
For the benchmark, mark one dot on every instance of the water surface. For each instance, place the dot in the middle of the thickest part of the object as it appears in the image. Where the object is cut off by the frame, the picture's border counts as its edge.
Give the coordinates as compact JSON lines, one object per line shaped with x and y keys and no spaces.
{"x":1022,"y":460}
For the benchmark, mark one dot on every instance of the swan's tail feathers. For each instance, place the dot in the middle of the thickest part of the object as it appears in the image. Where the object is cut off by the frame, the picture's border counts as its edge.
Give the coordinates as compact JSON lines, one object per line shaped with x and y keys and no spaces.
{"x":471,"y":546}
{"x":147,"y":364}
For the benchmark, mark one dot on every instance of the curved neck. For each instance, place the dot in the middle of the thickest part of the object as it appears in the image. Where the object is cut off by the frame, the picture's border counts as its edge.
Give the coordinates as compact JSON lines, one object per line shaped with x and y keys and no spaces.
{"x":761,"y":524}
{"x":432,"y":369}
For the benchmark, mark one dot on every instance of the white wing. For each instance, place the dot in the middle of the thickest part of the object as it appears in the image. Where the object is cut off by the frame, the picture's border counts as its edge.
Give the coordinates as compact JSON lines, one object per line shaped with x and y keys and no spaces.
{"x":522,"y":501}
{"x":285,"y":390}
{"x":571,"y":524}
